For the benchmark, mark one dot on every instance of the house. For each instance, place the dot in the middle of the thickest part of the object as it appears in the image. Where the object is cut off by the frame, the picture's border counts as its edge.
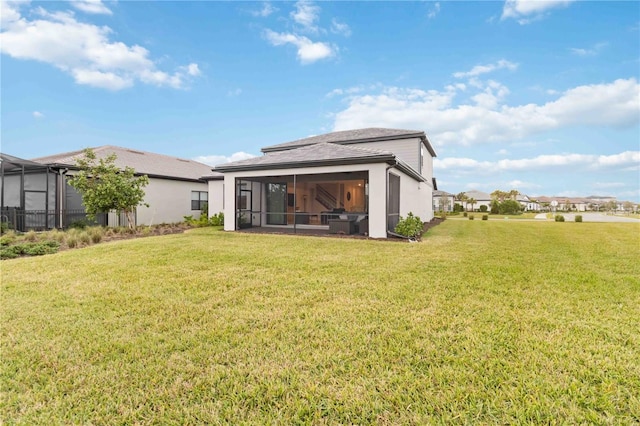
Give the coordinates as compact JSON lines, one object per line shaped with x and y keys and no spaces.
{"x":443,"y":201}
{"x":481,"y":199}
{"x":36,"y":193}
{"x":353,"y":181}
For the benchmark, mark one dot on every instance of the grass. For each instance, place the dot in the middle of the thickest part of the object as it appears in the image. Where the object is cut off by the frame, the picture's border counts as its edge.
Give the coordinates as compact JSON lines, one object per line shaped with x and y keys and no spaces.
{"x":483,"y":322}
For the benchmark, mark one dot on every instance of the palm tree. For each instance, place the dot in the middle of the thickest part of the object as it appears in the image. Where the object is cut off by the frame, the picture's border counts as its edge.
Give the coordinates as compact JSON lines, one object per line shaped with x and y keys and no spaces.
{"x":472,"y":201}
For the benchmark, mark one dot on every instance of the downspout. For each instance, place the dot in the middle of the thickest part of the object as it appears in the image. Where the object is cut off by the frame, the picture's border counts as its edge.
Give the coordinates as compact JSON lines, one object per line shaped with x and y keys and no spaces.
{"x":46,"y":201}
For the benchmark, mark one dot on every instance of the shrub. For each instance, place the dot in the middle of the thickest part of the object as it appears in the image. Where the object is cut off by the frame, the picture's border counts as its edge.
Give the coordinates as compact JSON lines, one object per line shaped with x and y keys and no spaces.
{"x":31,"y":236}
{"x":39,"y":249}
{"x":217,"y":219}
{"x":485,"y":217}
{"x":510,"y":207}
{"x":495,"y":207}
{"x":457,"y":208}
{"x":443,"y":216}
{"x":146,"y":231}
{"x":4,"y":227}
{"x":8,"y":238}
{"x":85,"y":238}
{"x":465,"y":214}
{"x":96,"y":234}
{"x":410,"y":227}
{"x":483,"y":208}
{"x":559,"y":218}
{"x":79,"y":224}
{"x":578,"y":218}
{"x":72,"y":241}
{"x":470,"y":217}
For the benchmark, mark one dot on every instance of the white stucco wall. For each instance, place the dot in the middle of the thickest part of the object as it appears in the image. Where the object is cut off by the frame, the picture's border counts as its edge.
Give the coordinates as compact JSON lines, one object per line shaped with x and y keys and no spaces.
{"x":216,"y":196}
{"x":169,"y":201}
{"x":415,"y":197}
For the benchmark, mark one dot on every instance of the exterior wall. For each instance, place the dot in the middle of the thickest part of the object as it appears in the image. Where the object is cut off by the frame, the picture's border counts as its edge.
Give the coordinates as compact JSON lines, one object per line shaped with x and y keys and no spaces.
{"x":377,"y":191}
{"x":169,"y":201}
{"x":216,"y":196}
{"x":438,"y":200}
{"x":407,"y":150}
{"x":415,"y":197}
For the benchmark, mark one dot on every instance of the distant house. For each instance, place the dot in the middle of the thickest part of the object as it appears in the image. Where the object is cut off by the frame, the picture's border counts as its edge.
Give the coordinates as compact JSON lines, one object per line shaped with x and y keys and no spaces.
{"x":354,"y":181}
{"x":443,"y":201}
{"x":482,"y":199}
{"x":36,"y":193}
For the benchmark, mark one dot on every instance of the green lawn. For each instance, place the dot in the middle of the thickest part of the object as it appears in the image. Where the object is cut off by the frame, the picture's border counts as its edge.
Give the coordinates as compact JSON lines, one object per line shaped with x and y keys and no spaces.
{"x":501,"y":322}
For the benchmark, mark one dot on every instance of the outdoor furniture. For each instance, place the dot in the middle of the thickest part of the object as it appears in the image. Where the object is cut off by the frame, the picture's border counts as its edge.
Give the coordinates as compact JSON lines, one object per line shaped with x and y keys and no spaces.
{"x":341,"y":226}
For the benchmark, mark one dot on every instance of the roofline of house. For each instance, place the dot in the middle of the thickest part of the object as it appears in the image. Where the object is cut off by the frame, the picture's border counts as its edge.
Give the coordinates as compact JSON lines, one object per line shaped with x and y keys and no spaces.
{"x":387,"y":158}
{"x":150,"y":175}
{"x":421,"y":135}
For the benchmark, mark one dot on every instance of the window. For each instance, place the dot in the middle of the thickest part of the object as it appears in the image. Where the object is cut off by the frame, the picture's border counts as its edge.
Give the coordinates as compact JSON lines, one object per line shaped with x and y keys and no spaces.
{"x":199,"y":199}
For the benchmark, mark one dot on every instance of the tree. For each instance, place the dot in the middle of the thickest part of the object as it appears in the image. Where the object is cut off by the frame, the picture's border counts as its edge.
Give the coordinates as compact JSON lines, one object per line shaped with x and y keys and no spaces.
{"x":472,"y":201}
{"x":510,"y":207}
{"x":444,"y":203}
{"x":104,"y":187}
{"x":462,"y":197}
{"x":499,"y":195}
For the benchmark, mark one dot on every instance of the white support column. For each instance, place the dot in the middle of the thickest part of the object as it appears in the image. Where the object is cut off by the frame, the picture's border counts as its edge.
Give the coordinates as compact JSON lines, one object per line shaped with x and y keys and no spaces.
{"x":230,"y":202}
{"x":377,"y":201}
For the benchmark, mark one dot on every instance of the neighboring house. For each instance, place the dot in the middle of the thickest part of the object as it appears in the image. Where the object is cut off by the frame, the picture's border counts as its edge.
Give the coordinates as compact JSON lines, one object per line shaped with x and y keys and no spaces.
{"x":38,"y":189}
{"x":443,"y":201}
{"x":354,"y":181}
{"x":528,"y":204}
{"x":482,"y":199}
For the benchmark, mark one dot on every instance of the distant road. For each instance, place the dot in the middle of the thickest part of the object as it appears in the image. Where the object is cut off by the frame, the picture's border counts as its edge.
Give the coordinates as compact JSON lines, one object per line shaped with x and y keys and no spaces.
{"x":591,"y":217}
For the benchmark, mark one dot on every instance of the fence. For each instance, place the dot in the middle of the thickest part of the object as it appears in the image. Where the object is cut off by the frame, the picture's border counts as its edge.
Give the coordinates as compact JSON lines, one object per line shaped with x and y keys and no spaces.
{"x":40,"y":220}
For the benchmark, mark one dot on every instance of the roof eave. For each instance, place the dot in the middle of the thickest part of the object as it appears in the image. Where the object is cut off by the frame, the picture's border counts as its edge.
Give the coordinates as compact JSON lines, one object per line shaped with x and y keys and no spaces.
{"x":309,"y":163}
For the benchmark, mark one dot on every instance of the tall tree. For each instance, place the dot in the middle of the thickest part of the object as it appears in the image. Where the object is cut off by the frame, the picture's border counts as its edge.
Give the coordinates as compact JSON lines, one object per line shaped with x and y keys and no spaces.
{"x":105,"y":187}
{"x":472,"y":201}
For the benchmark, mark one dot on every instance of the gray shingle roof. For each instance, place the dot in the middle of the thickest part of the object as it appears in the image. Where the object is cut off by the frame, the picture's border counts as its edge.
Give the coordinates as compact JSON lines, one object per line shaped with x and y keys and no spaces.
{"x":142,"y":162}
{"x":318,"y":154}
{"x":353,"y":136}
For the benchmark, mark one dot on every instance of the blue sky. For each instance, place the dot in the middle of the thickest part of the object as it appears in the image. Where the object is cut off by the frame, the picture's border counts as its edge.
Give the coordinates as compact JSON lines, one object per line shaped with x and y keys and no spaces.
{"x":543,"y":97}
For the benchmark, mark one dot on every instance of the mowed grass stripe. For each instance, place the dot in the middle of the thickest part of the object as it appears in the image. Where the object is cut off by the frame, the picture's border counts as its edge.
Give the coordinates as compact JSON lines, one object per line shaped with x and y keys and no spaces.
{"x":482,"y":322}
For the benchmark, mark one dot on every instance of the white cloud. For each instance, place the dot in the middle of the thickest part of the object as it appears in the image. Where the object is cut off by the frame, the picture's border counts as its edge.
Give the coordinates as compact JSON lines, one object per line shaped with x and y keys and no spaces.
{"x":95,"y":7}
{"x":502,"y":152}
{"x":487,"y":119}
{"x":605,"y":185}
{"x":483,"y":69}
{"x":38,"y":114}
{"x":518,"y":184}
{"x":306,"y":15}
{"x":214,"y":160}
{"x":433,"y":12}
{"x":267,"y":9}
{"x":234,"y":92}
{"x":84,"y":51}
{"x":338,"y":27}
{"x":627,"y":159}
{"x":593,"y":51}
{"x":526,"y":11}
{"x":308,"y":51}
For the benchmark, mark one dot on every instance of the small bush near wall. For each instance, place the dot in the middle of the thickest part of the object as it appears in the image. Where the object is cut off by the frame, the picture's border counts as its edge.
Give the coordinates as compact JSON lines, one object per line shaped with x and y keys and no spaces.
{"x":410,"y":227}
{"x":578,"y":218}
{"x":483,"y":208}
{"x":559,"y":218}
{"x":485,"y":217}
{"x":470,"y":217}
{"x":217,"y":219}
